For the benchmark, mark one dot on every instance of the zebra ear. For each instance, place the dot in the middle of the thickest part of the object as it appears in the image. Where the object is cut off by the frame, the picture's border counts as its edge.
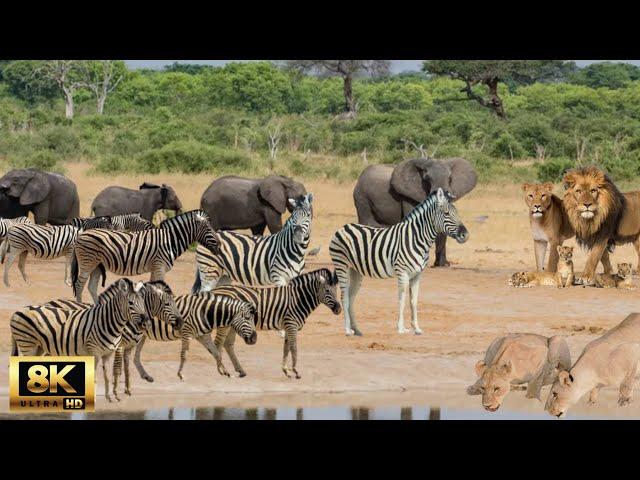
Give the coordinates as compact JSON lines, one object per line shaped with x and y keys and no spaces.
{"x":322,"y":279}
{"x":292,"y":202}
{"x":138,"y":287}
{"x":440,"y":196}
{"x":309,"y":198}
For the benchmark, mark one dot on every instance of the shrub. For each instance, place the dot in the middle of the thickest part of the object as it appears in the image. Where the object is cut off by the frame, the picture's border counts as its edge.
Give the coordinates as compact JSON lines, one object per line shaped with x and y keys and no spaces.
{"x":552,"y":170}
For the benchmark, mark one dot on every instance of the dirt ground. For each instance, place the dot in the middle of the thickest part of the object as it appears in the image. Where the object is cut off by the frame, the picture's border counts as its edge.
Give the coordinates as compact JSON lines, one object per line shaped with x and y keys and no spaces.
{"x":461,"y":310}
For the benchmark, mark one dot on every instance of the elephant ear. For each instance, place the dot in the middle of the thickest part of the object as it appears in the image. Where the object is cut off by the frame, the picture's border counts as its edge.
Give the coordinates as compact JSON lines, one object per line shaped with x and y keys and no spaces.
{"x":36,"y":189}
{"x":272,"y":191}
{"x":407,"y":180}
{"x":463,"y":176}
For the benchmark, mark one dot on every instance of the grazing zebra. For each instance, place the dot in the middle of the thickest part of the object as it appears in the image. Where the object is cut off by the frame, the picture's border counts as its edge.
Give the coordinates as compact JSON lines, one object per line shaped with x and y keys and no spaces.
{"x":95,"y":331}
{"x":87,"y":223}
{"x":257,"y":260}
{"x":135,"y":253}
{"x":400,"y":251}
{"x":200,"y":315}
{"x":41,"y":241}
{"x":282,"y":308}
{"x":161,"y":309}
{"x":131,"y":222}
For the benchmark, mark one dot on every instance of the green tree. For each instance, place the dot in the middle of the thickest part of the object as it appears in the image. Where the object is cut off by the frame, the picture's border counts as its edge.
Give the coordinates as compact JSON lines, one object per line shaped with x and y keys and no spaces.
{"x":345,"y":69}
{"x":101,"y":77}
{"x":65,"y":75}
{"x":24,"y":84}
{"x":490,"y":73}
{"x":606,"y":74}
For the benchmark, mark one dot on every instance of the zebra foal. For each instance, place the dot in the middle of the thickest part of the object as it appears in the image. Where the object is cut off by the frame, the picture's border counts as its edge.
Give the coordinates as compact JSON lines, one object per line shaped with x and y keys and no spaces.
{"x":257,"y":260}
{"x":399,"y":251}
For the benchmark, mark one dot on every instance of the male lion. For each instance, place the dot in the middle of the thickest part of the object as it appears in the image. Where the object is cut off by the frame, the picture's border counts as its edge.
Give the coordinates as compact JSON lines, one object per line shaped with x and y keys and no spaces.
{"x":600,"y":213}
{"x":550,"y":225}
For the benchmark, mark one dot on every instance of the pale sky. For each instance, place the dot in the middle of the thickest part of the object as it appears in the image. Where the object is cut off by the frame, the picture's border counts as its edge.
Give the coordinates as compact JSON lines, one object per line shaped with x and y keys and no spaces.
{"x":397,"y":66}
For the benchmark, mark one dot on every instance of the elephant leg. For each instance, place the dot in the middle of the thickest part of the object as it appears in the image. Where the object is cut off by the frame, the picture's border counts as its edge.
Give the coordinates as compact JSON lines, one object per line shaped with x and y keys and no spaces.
{"x":22,"y":261}
{"x":441,"y":251}
{"x":259,"y":229}
{"x":41,"y":213}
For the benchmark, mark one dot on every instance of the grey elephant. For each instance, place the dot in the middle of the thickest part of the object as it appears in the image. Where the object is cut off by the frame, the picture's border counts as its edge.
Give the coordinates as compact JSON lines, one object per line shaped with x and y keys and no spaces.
{"x":51,"y":197}
{"x":237,"y":202}
{"x":384,"y":194}
{"x":146,"y":201}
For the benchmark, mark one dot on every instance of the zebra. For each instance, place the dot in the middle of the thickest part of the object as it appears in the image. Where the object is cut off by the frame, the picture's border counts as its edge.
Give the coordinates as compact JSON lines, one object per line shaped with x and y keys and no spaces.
{"x":86,"y":223}
{"x":136,"y":253}
{"x":95,"y":331}
{"x":131,"y":222}
{"x":282,"y":308}
{"x":41,"y":241}
{"x":200,"y":315}
{"x":400,"y":251}
{"x":7,"y":223}
{"x":161,"y":310}
{"x":256,"y":260}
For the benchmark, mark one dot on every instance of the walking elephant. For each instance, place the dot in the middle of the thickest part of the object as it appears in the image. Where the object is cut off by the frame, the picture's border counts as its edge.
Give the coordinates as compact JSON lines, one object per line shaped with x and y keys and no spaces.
{"x":238,"y":203}
{"x":384,"y":194}
{"x":51,"y":197}
{"x":146,"y":201}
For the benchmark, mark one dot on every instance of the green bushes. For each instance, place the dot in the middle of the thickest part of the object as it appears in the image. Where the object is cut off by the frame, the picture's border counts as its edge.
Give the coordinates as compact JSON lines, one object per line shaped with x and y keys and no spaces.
{"x":553,"y":170}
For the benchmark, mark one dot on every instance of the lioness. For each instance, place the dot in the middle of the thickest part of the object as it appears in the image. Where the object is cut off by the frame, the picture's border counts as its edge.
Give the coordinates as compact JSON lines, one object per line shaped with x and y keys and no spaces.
{"x":622,"y":279}
{"x":600,"y":214}
{"x":611,"y":360}
{"x":517,"y":359}
{"x":550,"y":225}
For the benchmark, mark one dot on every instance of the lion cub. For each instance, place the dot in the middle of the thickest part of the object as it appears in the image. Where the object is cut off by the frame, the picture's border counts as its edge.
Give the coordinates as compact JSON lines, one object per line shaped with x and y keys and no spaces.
{"x":564,"y":274}
{"x":533,"y":279}
{"x":622,"y":279}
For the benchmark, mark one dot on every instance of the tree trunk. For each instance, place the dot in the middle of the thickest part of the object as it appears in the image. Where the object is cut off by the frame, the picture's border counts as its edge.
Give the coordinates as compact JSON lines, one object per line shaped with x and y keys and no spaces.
{"x":68,"y":105}
{"x":495,"y":101}
{"x":101,"y":99}
{"x":348,"y":94}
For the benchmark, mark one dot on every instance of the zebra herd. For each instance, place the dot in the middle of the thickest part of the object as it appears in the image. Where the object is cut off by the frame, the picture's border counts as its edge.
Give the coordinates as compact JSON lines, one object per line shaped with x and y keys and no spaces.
{"x":243,"y":283}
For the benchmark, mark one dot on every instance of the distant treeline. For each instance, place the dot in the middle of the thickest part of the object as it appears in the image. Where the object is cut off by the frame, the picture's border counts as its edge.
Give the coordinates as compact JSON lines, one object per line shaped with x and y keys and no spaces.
{"x":256,"y":117}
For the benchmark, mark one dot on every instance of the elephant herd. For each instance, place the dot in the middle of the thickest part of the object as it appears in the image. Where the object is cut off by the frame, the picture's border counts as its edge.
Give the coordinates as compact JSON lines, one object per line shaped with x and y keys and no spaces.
{"x":383,"y":195}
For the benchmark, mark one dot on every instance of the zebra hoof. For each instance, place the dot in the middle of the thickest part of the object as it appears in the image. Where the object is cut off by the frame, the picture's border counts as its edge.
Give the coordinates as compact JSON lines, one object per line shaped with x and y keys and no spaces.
{"x":349,"y":332}
{"x":242,"y":374}
{"x":127,"y":392}
{"x":357,"y":333}
{"x":402,"y":331}
{"x":148,"y":378}
{"x":417,"y":331}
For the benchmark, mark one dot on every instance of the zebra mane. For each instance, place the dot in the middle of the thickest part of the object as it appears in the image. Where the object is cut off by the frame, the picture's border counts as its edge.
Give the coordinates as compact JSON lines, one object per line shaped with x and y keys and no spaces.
{"x":161,"y":285}
{"x":427,"y":202}
{"x":327,"y":274}
{"x":112,"y":290}
{"x":197,"y":214}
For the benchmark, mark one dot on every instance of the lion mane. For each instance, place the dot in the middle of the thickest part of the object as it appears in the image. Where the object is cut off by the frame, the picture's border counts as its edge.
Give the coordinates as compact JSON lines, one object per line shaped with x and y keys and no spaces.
{"x":610,"y":206}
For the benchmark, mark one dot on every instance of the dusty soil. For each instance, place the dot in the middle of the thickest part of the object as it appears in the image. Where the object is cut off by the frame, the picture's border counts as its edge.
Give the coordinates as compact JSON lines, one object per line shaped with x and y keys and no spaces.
{"x":461,"y":310}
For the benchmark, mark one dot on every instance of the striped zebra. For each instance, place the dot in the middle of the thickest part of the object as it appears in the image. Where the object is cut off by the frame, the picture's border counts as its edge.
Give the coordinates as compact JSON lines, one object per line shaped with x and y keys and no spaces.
{"x":257,"y":260}
{"x":41,"y":241}
{"x":400,"y":251}
{"x":201,"y":314}
{"x":7,"y":223}
{"x":131,"y":222}
{"x":161,"y":310}
{"x":135,"y":253}
{"x":282,"y":308}
{"x":86,"y":223}
{"x":95,"y":331}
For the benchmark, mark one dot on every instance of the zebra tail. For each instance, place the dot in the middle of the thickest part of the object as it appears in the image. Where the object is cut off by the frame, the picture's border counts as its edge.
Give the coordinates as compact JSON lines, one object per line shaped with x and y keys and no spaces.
{"x":74,"y":271}
{"x":197,"y":284}
{"x":103,"y":272}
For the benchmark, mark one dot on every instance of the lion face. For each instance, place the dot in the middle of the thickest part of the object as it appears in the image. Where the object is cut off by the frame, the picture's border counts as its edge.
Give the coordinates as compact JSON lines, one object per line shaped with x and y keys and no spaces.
{"x":624,"y":270}
{"x":565,"y":253}
{"x":518,"y":279}
{"x":538,"y":197}
{"x":495,"y":383}
{"x":563,"y":394}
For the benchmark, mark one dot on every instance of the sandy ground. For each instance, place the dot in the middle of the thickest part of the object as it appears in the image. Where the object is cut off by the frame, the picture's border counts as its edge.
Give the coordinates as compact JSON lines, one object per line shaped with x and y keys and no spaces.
{"x":461,"y":310}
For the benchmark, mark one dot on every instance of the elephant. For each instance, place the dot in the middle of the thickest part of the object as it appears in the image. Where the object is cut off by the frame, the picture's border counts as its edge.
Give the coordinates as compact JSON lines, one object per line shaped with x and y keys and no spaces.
{"x":237,"y":202}
{"x":146,"y":201}
{"x":384,"y":194}
{"x":51,"y":197}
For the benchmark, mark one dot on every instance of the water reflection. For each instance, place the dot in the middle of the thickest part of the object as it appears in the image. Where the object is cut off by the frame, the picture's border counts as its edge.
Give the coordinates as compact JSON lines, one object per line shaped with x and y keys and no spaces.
{"x":224,"y":413}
